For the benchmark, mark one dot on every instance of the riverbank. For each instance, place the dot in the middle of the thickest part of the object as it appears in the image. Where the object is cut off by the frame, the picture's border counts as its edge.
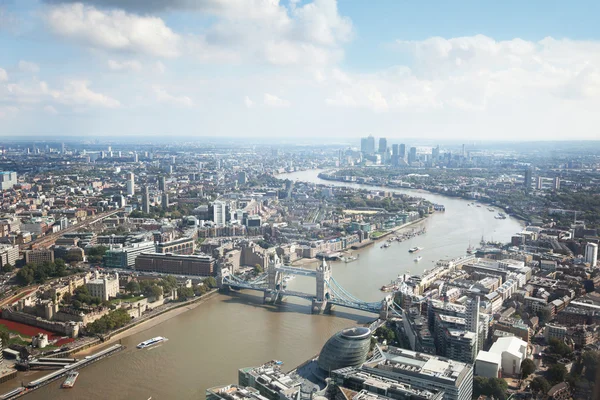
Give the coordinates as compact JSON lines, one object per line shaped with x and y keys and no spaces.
{"x":148,"y":323}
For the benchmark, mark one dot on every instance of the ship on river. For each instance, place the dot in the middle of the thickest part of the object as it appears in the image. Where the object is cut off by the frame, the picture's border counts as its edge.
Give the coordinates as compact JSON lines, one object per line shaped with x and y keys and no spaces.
{"x":70,"y":381}
{"x":151,"y":342}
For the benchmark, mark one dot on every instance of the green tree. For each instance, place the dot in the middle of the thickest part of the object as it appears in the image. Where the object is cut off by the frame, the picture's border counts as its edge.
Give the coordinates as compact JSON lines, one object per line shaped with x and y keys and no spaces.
{"x":591,"y":361}
{"x":557,"y":373}
{"x":184,"y":293}
{"x":490,"y":387}
{"x":132,"y":287}
{"x":544,"y":315}
{"x":258,"y":269}
{"x":540,"y":384}
{"x":527,"y":367}
{"x":210,"y":282}
{"x":560,"y":348}
{"x":5,"y":338}
{"x":6,"y":268}
{"x":168,"y":283}
{"x":200,"y":290}
{"x":154,"y":291}
{"x":385,"y":333}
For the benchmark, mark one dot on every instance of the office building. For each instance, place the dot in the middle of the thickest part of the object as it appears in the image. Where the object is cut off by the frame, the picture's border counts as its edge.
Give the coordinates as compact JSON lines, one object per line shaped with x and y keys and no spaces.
{"x":556,"y":184}
{"x":131,"y":184}
{"x":472,"y":320}
{"x":412,"y":156}
{"x":382,"y":145}
{"x":367,"y":145}
{"x":347,"y":348}
{"x":124,"y":257}
{"x":165,"y":200}
{"x":242,"y":177}
{"x":420,"y":371}
{"x":199,"y":265}
{"x":184,"y":245}
{"x":220,"y":213}
{"x":591,"y":254}
{"x":453,"y":341}
{"x":146,"y":200}
{"x":39,"y":256}
{"x":162,"y":183}
{"x":8,"y":179}
{"x":9,"y":254}
{"x":402,"y":153}
{"x":504,"y":357}
{"x":527,"y":180}
{"x":104,"y":288}
{"x":540,"y":183}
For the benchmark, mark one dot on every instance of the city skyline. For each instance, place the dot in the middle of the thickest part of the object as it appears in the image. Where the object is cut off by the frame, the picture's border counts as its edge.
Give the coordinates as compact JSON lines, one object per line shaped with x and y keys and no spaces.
{"x":310,"y":69}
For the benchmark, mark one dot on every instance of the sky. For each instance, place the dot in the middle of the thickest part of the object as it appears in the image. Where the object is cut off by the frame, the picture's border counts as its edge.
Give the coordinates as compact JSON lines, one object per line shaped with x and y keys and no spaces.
{"x":324,"y":69}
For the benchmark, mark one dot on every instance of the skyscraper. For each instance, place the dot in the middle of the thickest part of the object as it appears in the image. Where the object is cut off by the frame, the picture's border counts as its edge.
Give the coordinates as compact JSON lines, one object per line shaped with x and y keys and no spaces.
{"x":402,"y":153}
{"x":220,"y":213}
{"x":591,"y":254}
{"x":165,"y":200}
{"x":435,"y":153}
{"x":146,"y":200}
{"x":464,"y":153}
{"x":528,"y":178}
{"x":540,"y":183}
{"x":382,"y":145}
{"x":556,"y":183}
{"x":367,"y":145}
{"x":131,"y":184}
{"x":162,"y":183}
{"x":472,"y":320}
{"x":412,"y":156}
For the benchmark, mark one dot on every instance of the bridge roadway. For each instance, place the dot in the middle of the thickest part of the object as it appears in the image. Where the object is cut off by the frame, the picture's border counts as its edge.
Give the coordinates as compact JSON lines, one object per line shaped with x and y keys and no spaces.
{"x":50,"y":239}
{"x":296,"y":270}
{"x":368,"y":307}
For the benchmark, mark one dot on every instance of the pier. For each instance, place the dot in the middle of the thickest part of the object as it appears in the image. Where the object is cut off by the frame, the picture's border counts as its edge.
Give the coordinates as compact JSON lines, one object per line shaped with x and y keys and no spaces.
{"x":65,"y":365}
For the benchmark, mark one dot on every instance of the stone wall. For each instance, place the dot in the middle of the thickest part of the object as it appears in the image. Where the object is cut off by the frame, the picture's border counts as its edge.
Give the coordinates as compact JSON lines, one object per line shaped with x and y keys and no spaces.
{"x":64,"y":328}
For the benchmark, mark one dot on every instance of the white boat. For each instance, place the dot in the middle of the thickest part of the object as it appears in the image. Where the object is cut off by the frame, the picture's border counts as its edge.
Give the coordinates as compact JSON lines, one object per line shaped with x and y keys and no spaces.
{"x":151,"y":342}
{"x":414,"y":249}
{"x":418,"y":258}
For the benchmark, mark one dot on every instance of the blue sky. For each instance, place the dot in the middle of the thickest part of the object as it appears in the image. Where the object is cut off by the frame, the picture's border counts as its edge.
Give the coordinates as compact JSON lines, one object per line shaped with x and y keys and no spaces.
{"x":508,"y":70}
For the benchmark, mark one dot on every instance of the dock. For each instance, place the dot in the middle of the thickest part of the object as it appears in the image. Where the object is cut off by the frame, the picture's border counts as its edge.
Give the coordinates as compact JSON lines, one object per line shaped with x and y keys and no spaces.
{"x":65,"y":365}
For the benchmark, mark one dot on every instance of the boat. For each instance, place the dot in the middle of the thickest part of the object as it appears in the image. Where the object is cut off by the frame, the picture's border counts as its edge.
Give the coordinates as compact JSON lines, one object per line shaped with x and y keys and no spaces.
{"x":470,"y":249}
{"x":414,"y":249}
{"x":70,"y":381}
{"x":151,"y":342}
{"x":419,"y":258}
{"x":385,"y":245}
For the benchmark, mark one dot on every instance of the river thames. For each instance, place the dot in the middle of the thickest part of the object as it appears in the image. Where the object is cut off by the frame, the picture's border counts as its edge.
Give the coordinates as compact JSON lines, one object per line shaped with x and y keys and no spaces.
{"x":208,"y":344}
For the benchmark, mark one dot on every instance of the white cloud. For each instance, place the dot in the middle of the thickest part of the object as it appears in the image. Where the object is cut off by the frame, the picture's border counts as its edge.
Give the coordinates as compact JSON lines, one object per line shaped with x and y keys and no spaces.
{"x":273,"y":101}
{"x":248,"y":102}
{"x":3,"y":75}
{"x":164,"y":97}
{"x":8,"y":111}
{"x":128,"y":65}
{"x":160,"y":67}
{"x":114,"y":30}
{"x":78,"y":93}
{"x":50,"y":110}
{"x":26,"y":66}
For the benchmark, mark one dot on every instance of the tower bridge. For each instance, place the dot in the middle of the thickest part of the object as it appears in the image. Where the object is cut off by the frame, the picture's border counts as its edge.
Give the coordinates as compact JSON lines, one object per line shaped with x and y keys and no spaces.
{"x":329,"y":292}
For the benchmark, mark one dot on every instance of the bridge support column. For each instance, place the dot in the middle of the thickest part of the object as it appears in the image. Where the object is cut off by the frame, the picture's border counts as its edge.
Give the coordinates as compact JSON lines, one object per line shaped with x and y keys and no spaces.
{"x":319,"y":306}
{"x":269,"y":297}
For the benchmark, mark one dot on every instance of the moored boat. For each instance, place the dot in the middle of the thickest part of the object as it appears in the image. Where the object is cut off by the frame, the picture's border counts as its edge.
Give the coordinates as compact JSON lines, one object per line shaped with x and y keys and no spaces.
{"x":70,"y":381}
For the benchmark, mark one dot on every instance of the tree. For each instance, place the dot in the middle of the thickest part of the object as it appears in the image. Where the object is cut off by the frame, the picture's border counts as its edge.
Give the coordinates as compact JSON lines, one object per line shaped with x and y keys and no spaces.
{"x":559,"y":348}
{"x":210,"y":282}
{"x":200,"y":290}
{"x":132,"y":287}
{"x":527,"y":367}
{"x":258,"y":269}
{"x":7,"y":268}
{"x":184,"y":293}
{"x":540,"y":384}
{"x":168,"y":283}
{"x":5,"y":337}
{"x":490,"y":387}
{"x":591,"y":361}
{"x":544,"y":315}
{"x":386,"y":333}
{"x":154,"y":291}
{"x":557,"y":373}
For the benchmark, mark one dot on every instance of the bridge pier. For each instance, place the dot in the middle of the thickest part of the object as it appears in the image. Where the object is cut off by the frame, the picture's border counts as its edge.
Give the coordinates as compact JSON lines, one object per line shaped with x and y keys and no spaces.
{"x":319,"y":306}
{"x":268,"y":297}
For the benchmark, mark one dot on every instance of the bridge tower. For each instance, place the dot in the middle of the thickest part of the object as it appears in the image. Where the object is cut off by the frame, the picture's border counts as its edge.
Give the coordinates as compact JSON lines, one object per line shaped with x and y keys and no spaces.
{"x":320,"y":302}
{"x":386,"y":304}
{"x":274,"y":280}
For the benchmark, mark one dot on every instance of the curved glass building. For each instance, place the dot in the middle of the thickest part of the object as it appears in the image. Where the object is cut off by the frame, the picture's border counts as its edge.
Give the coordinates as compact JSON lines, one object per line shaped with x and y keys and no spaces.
{"x":347,"y":348}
